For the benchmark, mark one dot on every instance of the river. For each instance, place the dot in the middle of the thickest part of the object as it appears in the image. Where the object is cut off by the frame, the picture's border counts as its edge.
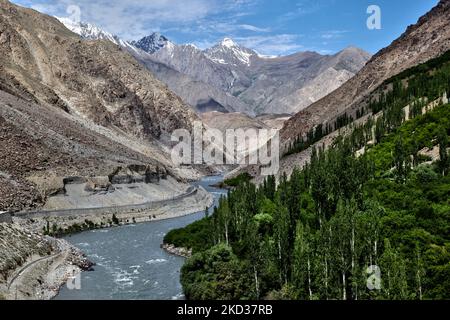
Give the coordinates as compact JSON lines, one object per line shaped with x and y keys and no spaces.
{"x":130,"y":263}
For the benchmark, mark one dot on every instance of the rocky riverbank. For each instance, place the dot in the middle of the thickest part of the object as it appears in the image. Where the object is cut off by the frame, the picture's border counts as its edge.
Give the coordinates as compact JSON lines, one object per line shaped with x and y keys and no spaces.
{"x":181,"y":252}
{"x":70,"y":221}
{"x":33,"y":266}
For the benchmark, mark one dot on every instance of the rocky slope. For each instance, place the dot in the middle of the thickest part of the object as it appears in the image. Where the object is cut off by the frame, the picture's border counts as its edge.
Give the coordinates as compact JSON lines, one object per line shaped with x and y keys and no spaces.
{"x":225,"y":121}
{"x":427,"y":39}
{"x":73,"y":107}
{"x":33,"y":266}
{"x":41,"y":145}
{"x":43,"y":61}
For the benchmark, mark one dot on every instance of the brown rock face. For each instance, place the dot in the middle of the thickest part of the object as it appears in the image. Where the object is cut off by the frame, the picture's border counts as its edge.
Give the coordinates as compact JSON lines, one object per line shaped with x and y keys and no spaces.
{"x":43,"y":144}
{"x":70,"y":107}
{"x":44,"y":62}
{"x":427,"y":39}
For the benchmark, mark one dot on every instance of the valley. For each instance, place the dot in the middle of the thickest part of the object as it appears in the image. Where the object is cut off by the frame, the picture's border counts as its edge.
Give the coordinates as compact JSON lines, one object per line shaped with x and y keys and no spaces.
{"x":93,"y":195}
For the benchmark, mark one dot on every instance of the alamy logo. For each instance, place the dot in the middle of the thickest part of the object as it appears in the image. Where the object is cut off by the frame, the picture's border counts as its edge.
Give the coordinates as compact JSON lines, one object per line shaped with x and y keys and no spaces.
{"x":233,"y":147}
{"x":374,"y":279}
{"x":74,"y":282}
{"x":75,"y":13}
{"x":374,"y":20}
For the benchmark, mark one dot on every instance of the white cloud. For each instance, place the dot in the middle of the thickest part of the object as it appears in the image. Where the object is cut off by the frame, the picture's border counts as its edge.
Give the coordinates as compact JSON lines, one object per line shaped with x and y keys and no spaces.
{"x":281,"y":44}
{"x":133,"y":19}
{"x":204,"y":44}
{"x":305,"y":7}
{"x":333,"y":34}
{"x":44,"y":8}
{"x":204,"y":21}
{"x":253,"y":28}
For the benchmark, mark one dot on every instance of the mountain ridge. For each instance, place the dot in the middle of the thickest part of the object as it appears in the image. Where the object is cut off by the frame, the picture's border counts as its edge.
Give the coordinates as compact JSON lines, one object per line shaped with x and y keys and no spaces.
{"x":236,"y":78}
{"x":243,"y":74}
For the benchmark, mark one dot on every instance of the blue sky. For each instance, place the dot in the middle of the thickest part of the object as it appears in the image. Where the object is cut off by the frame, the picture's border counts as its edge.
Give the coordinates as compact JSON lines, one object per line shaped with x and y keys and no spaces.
{"x":272,"y":27}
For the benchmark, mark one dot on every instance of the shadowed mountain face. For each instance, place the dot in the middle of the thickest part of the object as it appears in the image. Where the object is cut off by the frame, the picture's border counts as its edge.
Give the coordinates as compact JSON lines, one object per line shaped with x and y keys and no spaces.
{"x":151,"y":43}
{"x":236,"y":78}
{"x":427,"y":39}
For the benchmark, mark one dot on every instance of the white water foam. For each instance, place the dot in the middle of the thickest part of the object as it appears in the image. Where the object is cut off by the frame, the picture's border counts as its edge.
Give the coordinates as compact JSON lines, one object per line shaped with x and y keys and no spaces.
{"x":179,"y":296}
{"x":124,"y":279}
{"x":135,"y":269}
{"x":83,"y":244}
{"x":154,"y":261}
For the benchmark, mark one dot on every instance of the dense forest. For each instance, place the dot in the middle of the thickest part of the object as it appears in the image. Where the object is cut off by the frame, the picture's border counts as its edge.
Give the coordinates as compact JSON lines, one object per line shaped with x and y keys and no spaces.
{"x":367,"y":218}
{"x":425,"y":82}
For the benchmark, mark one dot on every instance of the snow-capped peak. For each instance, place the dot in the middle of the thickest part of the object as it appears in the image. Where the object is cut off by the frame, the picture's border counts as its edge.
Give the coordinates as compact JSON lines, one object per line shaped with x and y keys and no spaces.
{"x":192,"y":46}
{"x":152,"y":43}
{"x":229,"y":52}
{"x":228,"y":43}
{"x":89,"y":31}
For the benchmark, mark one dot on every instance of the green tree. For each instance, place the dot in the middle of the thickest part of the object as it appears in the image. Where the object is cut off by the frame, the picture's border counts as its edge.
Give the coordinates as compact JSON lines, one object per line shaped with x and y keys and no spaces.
{"x":302,"y":263}
{"x":393,"y":274}
{"x":401,"y":160}
{"x":419,"y":272}
{"x":343,"y":233}
{"x":281,"y":230}
{"x":443,"y":153}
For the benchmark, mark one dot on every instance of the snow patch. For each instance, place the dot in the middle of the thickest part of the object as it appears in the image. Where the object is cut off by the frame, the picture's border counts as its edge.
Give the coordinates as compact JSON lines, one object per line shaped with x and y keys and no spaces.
{"x":89,"y":31}
{"x":221,"y":61}
{"x":228,"y":43}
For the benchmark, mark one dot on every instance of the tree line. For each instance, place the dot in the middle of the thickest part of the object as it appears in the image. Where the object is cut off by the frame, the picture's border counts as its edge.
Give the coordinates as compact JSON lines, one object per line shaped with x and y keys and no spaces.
{"x":347,"y":225}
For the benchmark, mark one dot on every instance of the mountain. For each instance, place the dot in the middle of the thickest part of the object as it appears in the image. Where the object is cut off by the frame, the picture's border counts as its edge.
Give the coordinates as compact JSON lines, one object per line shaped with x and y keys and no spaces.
{"x":201,"y":96}
{"x":90,"y":32}
{"x":151,"y":43}
{"x":289,"y":84}
{"x":262,"y":85}
{"x":229,"y":52}
{"x":209,"y":76}
{"x":95,"y":79}
{"x":427,"y":39}
{"x":71,"y":107}
{"x":231,"y":78}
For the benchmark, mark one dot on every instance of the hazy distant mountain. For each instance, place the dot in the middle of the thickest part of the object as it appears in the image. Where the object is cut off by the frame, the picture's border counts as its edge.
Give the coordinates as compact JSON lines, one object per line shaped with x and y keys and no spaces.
{"x":229,"y":77}
{"x":264,"y":85}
